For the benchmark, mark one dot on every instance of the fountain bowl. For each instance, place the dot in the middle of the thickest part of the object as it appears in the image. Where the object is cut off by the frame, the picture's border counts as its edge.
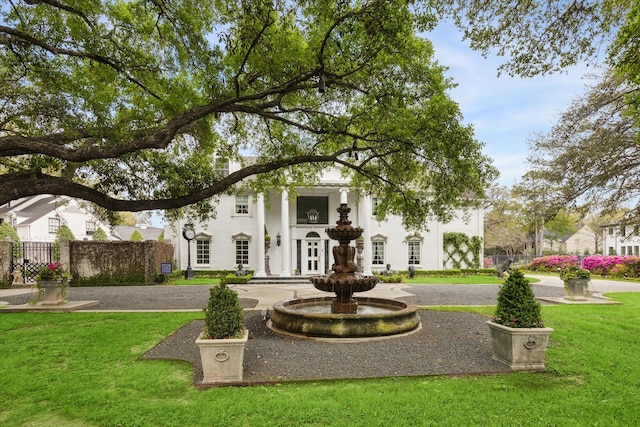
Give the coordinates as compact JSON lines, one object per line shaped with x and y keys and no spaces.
{"x":344,"y":234}
{"x":343,"y":282}
{"x":376,"y":317}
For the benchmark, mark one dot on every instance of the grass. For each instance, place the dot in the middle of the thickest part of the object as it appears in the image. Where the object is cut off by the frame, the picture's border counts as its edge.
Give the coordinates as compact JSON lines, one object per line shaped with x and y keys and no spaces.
{"x":195,"y":281}
{"x":456,"y":280}
{"x":79,"y":369}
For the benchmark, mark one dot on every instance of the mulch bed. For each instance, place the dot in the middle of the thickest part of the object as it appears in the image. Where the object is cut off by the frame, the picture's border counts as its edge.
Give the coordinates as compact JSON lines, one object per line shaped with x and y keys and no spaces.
{"x":448,"y":344}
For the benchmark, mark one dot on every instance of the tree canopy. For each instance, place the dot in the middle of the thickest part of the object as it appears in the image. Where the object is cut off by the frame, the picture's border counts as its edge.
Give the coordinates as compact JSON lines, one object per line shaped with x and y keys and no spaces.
{"x":135,"y":105}
{"x":547,"y":36}
{"x":591,"y":156}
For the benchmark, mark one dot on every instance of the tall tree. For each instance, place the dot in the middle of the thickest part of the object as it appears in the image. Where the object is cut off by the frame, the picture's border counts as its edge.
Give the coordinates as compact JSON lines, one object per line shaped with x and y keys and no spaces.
{"x":591,"y":157}
{"x":505,"y":228}
{"x":137,"y":104}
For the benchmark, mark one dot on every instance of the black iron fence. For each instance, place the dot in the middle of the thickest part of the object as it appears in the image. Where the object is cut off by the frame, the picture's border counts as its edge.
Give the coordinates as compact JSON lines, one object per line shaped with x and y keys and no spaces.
{"x":29,"y":258}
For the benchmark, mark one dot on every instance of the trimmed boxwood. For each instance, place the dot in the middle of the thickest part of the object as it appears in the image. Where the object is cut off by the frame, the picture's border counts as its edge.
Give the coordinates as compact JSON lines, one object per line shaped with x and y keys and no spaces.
{"x":223,"y":314}
{"x":517,"y":306}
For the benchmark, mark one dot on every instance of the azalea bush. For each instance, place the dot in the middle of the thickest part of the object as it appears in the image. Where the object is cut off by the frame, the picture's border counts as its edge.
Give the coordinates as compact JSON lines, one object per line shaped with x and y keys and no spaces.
{"x":613,"y":265}
{"x":551,"y":264}
{"x":599,"y":265}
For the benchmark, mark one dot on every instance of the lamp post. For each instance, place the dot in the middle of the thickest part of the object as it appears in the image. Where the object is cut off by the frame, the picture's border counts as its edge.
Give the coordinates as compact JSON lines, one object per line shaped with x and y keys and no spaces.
{"x":188,"y":233}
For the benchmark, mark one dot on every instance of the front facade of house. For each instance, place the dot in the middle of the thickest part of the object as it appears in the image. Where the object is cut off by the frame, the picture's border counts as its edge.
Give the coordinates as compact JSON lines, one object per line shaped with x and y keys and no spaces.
{"x":38,"y":218}
{"x":621,"y":239}
{"x":297,"y":242}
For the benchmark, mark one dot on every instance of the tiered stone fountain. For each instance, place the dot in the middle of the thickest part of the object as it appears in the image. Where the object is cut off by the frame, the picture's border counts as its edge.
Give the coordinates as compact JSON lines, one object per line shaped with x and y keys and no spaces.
{"x":344,"y":316}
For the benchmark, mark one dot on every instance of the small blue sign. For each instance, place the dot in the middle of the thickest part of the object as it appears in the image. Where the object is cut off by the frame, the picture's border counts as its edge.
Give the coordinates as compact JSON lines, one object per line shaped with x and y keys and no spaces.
{"x":166,"y":268}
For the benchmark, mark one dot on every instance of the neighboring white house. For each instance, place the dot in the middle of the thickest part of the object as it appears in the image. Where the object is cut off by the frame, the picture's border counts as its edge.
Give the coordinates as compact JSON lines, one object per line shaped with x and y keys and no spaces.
{"x":38,"y":218}
{"x":621,"y":239}
{"x":124,"y":232}
{"x":582,"y":242}
{"x":298,"y":241}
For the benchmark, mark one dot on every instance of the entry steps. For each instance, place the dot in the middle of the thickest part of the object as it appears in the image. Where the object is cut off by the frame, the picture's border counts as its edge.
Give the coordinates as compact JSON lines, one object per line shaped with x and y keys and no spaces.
{"x":277,"y":280}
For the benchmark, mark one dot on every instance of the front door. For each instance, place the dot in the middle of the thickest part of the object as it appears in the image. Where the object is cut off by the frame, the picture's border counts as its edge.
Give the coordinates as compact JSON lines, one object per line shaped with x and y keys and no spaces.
{"x":311,"y":263}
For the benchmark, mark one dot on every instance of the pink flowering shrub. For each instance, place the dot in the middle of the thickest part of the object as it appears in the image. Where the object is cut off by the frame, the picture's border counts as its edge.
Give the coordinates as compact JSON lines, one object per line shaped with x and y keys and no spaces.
{"x":599,"y":265}
{"x":553,"y":263}
{"x":488,"y":262}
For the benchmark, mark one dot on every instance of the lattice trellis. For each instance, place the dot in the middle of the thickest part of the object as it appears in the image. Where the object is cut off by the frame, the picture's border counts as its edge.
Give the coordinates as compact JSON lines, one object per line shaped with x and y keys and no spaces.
{"x":461,"y":251}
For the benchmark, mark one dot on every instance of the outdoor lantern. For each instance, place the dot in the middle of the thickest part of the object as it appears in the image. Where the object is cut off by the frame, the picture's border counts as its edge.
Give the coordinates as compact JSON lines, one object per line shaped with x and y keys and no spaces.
{"x":312,"y":216}
{"x":278,"y":239}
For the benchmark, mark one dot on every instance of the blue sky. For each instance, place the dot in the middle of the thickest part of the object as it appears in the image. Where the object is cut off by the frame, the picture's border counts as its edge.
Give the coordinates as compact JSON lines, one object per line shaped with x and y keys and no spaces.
{"x":505,"y":112}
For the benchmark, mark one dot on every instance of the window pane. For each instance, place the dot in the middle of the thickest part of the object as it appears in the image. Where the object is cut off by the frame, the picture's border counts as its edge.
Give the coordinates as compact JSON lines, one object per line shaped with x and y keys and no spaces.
{"x":54,"y":225}
{"x":374,"y":206}
{"x":91,"y":227}
{"x":377,"y":253}
{"x":414,"y":253}
{"x":203,"y":251}
{"x":242,"y":204}
{"x":242,"y":252}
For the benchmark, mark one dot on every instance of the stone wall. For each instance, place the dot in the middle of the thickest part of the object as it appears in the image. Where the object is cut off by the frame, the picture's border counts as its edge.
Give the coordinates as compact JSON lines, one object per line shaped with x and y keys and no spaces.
{"x":104,"y":263}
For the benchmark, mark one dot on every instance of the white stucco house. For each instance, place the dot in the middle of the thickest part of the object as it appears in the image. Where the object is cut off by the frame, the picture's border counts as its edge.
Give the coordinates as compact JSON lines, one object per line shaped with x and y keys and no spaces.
{"x":38,"y":218}
{"x":621,"y":239}
{"x":298,"y":241}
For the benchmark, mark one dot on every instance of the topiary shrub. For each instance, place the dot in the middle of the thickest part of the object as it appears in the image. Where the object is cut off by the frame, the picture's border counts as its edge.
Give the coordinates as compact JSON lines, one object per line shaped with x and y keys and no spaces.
{"x":100,"y":235}
{"x":6,"y":230}
{"x":223,"y":314}
{"x":517,"y":306}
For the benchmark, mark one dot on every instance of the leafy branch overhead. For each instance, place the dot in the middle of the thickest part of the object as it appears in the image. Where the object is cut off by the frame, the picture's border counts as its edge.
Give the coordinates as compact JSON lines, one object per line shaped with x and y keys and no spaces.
{"x":136,"y":105}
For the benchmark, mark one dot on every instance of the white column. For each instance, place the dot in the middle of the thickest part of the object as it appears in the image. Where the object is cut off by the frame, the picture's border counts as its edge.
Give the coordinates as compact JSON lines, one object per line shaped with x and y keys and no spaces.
{"x":260,"y":271}
{"x":439,"y":248}
{"x":366,"y":235}
{"x":286,"y":235}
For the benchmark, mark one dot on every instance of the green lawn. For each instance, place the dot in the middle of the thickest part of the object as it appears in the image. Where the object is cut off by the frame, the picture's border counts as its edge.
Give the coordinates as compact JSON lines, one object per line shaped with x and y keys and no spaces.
{"x":456,"y":280}
{"x":84,"y":369}
{"x":196,"y":281}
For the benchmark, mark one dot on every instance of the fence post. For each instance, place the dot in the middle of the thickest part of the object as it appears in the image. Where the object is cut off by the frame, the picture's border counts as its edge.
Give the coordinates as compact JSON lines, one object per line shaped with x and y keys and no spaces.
{"x":6,"y":262}
{"x":65,"y":254}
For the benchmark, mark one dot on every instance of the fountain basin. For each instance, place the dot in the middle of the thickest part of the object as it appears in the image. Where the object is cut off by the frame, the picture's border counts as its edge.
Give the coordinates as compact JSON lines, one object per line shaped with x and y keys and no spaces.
{"x":376,"y":317}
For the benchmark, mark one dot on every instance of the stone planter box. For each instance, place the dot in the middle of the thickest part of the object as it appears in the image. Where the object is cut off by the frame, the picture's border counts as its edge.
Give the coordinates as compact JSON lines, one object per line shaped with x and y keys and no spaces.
{"x":53,"y":292}
{"x":522,"y":349}
{"x":576,"y":289}
{"x":222,"y":359}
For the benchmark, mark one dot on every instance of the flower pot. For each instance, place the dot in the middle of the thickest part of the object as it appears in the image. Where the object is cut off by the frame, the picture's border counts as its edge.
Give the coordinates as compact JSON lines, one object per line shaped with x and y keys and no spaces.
{"x":53,"y":291}
{"x":575,"y":289}
{"x":522,"y":349}
{"x":222,"y":359}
